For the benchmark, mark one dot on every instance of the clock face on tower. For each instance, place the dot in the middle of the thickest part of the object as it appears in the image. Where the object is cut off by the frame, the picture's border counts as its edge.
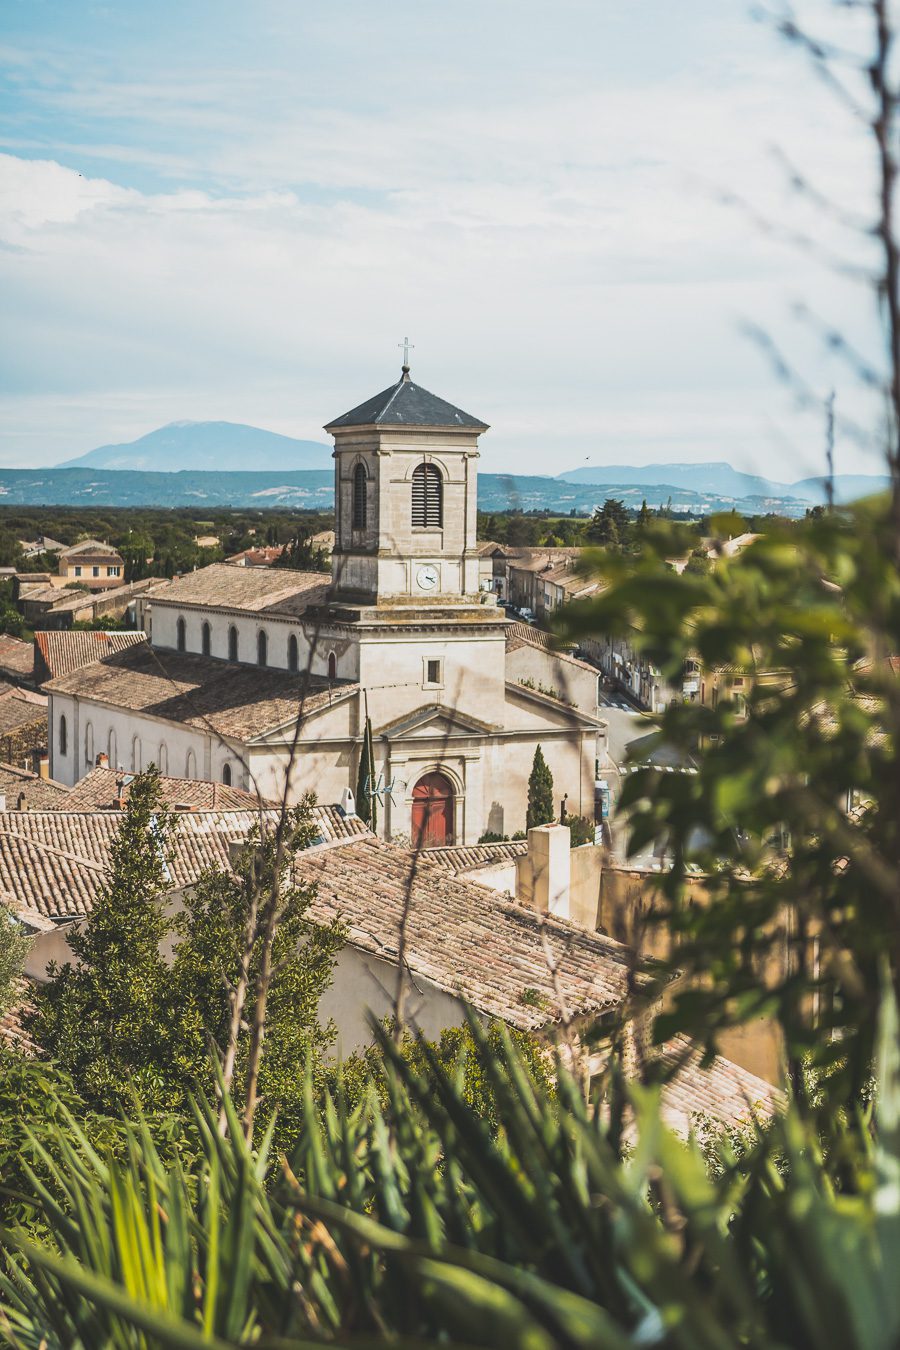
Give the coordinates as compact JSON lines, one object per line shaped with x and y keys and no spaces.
{"x":427,"y":578}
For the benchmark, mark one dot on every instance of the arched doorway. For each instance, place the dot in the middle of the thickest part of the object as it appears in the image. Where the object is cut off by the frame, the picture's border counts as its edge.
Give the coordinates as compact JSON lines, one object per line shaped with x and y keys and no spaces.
{"x":432,"y":811}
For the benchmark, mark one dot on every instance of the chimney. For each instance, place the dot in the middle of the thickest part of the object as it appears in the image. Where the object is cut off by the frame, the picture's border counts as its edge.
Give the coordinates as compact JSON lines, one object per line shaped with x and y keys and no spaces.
{"x":102,"y":760}
{"x":119,"y":803}
{"x":2,"y":801}
{"x":44,"y":765}
{"x":543,"y":876}
{"x":22,"y":802}
{"x":348,"y":803}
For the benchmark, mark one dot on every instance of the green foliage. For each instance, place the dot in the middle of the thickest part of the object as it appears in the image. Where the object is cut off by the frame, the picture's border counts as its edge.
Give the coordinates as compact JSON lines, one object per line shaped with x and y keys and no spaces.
{"x":805,"y":617}
{"x":366,"y":801}
{"x":610,"y":525}
{"x":541,"y":810}
{"x":126,"y":1025}
{"x":582,"y":830}
{"x":301,"y":555}
{"x":211,"y":933}
{"x":107,"y":1020}
{"x":421,"y":1212}
{"x":491,"y":837}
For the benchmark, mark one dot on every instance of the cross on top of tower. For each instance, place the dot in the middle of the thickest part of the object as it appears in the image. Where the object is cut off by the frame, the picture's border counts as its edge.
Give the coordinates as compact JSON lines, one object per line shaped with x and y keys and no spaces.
{"x":407,"y":347}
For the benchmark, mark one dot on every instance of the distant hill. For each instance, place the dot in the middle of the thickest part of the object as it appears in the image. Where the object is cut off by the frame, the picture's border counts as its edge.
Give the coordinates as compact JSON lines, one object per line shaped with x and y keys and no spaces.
{"x":313,"y":489}
{"x":720,"y":479}
{"x":229,"y":446}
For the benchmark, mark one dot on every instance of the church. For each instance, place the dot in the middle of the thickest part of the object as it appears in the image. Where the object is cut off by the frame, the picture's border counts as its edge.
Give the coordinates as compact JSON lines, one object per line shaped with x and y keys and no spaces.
{"x":268,"y":679}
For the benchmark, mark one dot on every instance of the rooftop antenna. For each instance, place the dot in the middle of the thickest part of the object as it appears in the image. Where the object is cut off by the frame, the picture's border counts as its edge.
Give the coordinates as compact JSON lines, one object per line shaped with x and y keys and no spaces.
{"x":407,"y":347}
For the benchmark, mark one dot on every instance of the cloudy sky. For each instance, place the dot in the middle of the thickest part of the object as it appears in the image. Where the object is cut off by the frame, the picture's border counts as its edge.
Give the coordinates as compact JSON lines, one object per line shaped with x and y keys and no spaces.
{"x":224,"y":210}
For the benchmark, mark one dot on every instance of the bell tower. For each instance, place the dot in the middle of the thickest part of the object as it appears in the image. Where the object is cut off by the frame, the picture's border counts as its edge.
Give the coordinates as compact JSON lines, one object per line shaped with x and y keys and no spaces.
{"x":405,"y":492}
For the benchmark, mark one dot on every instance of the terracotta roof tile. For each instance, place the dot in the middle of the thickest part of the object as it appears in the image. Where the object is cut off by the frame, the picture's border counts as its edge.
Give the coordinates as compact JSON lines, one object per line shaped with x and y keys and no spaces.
{"x":20,"y":708}
{"x":53,"y":863}
{"x":526,"y":635}
{"x":64,"y":650}
{"x":41,"y":794}
{"x":461,"y":858}
{"x":255,"y":590}
{"x":12,"y":1033}
{"x":99,"y":791}
{"x":237,"y":701}
{"x":16,"y":657}
{"x":462,"y":937}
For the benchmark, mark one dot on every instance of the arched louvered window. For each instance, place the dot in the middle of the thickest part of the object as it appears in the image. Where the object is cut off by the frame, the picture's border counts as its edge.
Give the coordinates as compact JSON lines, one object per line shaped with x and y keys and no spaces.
{"x":206,"y":638}
{"x":427,"y":497}
{"x":262,"y":648}
{"x":360,"y":485}
{"x":293,"y":654}
{"x":232,"y":643}
{"x":226,"y":774}
{"x":181,"y":635}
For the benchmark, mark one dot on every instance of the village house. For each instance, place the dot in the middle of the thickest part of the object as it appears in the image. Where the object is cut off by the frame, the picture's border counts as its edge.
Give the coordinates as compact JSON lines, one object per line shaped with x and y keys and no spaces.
{"x":97,"y":565}
{"x":253,"y":676}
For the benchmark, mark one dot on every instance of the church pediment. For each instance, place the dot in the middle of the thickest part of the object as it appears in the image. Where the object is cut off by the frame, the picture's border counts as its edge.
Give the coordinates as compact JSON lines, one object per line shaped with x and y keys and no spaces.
{"x":434,"y":720}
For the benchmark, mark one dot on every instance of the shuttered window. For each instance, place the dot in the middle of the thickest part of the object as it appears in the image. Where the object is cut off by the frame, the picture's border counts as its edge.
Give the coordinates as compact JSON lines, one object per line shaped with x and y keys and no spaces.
{"x":359,"y":497}
{"x":427,"y":497}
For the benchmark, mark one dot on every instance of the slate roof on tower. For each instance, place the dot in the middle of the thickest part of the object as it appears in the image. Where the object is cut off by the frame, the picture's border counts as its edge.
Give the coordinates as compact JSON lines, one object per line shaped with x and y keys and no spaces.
{"x":406,"y":404}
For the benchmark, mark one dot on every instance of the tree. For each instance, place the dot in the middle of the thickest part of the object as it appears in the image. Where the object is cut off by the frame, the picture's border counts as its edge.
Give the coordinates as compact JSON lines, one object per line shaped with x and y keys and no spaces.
{"x":249,"y":970}
{"x":366,"y":801}
{"x":540,"y":810}
{"x":107,"y":1020}
{"x":301,"y":555}
{"x":610,"y":524}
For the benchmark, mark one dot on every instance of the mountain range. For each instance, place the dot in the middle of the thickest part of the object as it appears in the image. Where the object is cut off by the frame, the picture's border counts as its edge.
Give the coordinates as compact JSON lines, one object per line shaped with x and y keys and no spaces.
{"x":232,"y":446}
{"x":719,"y":479}
{"x":232,"y":464}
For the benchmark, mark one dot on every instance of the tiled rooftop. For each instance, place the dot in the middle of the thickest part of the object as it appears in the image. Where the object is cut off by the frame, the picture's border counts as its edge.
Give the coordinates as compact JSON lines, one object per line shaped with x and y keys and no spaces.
{"x":99,"y":791}
{"x":16,"y":657}
{"x":461,"y":858}
{"x":256,"y":590}
{"x":53,"y":863}
{"x":237,"y":701}
{"x":526,"y":635}
{"x":463,"y":938}
{"x":41,"y":794}
{"x":19,"y":708}
{"x":65,"y":650}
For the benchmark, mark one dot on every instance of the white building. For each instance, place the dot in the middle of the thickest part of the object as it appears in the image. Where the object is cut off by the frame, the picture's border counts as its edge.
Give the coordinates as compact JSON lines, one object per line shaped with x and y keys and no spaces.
{"x":264,"y":678}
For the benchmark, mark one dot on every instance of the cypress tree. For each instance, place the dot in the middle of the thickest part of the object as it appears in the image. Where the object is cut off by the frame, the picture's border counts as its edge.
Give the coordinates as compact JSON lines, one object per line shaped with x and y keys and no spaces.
{"x":540,"y":792}
{"x":366,"y":807}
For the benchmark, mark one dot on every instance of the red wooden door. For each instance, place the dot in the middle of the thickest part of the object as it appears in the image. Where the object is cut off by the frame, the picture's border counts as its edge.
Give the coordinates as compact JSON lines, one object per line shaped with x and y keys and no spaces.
{"x":432,"y":811}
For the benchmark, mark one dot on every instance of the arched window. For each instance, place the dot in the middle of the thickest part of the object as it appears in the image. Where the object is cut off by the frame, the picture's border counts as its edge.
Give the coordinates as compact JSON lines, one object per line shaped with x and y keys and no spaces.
{"x":206,"y":638}
{"x":112,"y":749}
{"x":190,"y":765}
{"x":89,"y":743}
{"x":332,"y":666}
{"x":262,"y":648}
{"x":360,"y":486}
{"x":427,"y":497}
{"x":180,"y":634}
{"x":293,"y":654}
{"x":63,"y":735}
{"x":226,"y":774}
{"x":232,"y":643}
{"x":162,"y":759}
{"x":135,"y":754}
